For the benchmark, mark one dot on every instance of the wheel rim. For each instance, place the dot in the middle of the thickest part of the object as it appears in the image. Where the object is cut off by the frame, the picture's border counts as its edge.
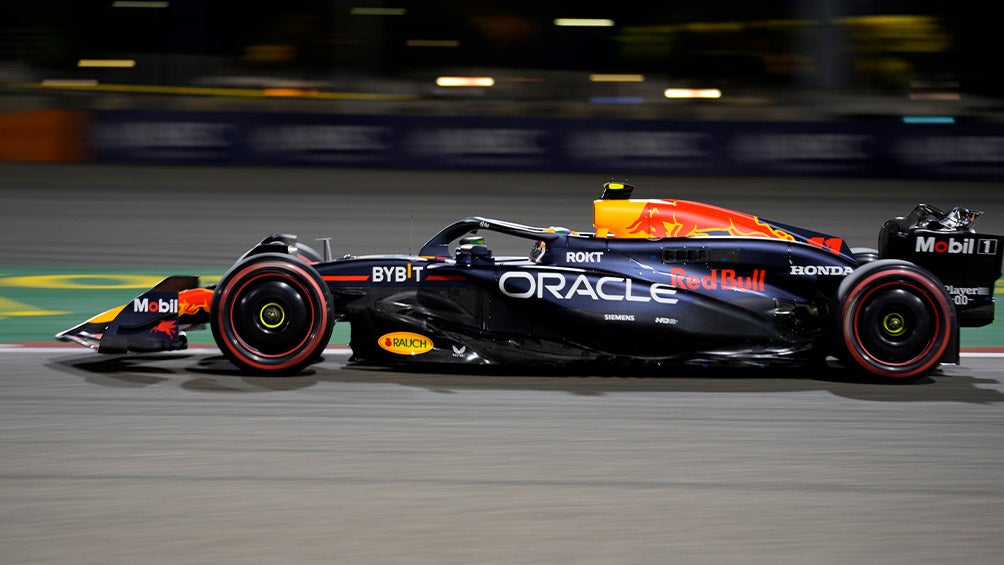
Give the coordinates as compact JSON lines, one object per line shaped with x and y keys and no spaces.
{"x":271,"y":316}
{"x":896,"y":324}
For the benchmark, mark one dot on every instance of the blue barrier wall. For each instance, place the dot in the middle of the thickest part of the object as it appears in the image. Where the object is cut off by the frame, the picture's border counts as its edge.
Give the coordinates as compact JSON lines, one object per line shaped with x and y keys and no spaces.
{"x":611,"y":147}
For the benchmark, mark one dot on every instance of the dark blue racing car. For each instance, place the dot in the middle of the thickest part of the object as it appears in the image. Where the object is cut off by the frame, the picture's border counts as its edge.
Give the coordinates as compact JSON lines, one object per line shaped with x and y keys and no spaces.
{"x":657,"y":282}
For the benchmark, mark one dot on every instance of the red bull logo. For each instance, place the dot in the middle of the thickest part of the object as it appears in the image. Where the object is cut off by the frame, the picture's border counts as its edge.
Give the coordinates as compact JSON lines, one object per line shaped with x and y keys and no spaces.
{"x":166,"y":327}
{"x":193,"y":301}
{"x":656,"y":219}
{"x":724,"y":279}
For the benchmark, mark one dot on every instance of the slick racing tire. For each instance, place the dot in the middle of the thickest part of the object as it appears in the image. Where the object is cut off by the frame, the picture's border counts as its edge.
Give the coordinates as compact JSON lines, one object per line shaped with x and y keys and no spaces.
{"x":272,"y":313}
{"x":895,"y":320}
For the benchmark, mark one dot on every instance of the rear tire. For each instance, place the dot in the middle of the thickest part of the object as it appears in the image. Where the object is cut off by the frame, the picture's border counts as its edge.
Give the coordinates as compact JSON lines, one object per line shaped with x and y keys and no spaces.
{"x":865,"y":254}
{"x":272,"y":313}
{"x":896,"y":320}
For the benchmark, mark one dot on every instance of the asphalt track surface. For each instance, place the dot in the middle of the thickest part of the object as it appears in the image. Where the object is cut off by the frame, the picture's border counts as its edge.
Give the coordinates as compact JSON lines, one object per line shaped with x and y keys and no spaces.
{"x":175,"y":458}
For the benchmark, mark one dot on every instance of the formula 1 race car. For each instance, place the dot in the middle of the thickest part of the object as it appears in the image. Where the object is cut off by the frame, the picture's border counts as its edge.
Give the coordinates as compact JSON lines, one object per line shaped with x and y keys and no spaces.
{"x":658,"y":282}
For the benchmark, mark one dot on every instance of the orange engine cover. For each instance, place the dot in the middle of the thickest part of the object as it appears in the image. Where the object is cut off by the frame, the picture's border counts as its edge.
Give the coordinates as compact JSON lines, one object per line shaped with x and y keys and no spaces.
{"x":655,"y":219}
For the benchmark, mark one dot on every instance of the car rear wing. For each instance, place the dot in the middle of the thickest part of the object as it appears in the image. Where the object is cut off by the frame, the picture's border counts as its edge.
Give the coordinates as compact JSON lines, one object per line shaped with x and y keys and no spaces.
{"x":947,"y":244}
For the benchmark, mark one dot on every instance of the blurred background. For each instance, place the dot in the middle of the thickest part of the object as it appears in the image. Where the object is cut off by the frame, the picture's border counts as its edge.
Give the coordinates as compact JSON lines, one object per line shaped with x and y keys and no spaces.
{"x":375,"y":123}
{"x":833,"y":87}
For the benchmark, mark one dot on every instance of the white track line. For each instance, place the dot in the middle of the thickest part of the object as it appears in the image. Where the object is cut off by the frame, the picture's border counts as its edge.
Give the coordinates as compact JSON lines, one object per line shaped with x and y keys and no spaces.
{"x":14,"y":348}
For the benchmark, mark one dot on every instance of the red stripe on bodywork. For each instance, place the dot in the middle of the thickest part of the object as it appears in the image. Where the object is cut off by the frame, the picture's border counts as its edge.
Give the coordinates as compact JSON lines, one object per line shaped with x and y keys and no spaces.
{"x":343,"y":278}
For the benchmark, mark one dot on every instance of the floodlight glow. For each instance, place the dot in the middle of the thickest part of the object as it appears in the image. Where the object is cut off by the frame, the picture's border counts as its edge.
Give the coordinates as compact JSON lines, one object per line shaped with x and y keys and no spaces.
{"x":140,"y":4}
{"x":69,"y":82}
{"x":432,"y":43}
{"x":465,"y":81}
{"x":289,"y":92}
{"x":692,"y":93}
{"x":377,"y":11}
{"x":928,"y":120}
{"x":583,"y":22}
{"x":107,"y":63}
{"x":616,"y":100}
{"x":616,"y":78}
{"x":935,"y":96}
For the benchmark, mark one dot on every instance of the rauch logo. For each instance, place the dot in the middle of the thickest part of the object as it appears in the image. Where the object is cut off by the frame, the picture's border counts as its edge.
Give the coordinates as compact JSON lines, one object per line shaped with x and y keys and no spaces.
{"x":405,"y":343}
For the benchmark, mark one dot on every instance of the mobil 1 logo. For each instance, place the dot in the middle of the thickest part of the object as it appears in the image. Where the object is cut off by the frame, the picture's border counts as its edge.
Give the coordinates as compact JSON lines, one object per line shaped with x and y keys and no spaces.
{"x":955,"y":245}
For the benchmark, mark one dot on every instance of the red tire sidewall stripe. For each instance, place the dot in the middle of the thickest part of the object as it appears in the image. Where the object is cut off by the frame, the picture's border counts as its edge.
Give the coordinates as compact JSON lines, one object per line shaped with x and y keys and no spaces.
{"x":224,"y":322}
{"x":933,"y":296}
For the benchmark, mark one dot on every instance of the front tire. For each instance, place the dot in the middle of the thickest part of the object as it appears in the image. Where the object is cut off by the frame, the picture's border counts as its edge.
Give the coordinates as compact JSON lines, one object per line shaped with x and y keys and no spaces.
{"x":896,"y":321}
{"x":272,"y":313}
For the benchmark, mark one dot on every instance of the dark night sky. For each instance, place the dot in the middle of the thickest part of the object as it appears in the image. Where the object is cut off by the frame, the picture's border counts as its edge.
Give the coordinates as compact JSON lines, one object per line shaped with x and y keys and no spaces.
{"x":54,"y":33}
